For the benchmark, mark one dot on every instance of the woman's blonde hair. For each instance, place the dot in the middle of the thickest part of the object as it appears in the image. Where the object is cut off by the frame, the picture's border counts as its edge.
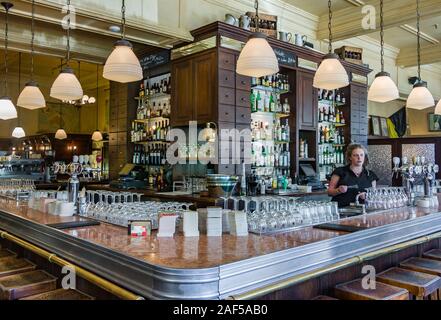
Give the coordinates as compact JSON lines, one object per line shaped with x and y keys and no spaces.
{"x":351,"y":149}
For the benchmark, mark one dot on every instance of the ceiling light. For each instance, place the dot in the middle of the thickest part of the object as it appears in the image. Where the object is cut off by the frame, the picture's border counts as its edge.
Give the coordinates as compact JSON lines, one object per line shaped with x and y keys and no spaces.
{"x":123,"y":65}
{"x":257,"y":59}
{"x":61,"y":134}
{"x":18,"y":133}
{"x":331,"y":74}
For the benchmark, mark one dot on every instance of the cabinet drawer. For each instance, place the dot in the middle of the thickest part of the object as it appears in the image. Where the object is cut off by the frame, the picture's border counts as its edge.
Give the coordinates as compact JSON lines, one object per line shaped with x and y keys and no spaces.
{"x":364,"y":131}
{"x":242,"y":98}
{"x":122,"y":138}
{"x":355,"y":129}
{"x":122,"y":112}
{"x":113,"y":125}
{"x":226,"y":96}
{"x":226,"y":150}
{"x":114,"y":113}
{"x":113,"y":139}
{"x":243,"y":83}
{"x":113,"y":152}
{"x":244,"y":132}
{"x":243,"y":115}
{"x":122,"y":125}
{"x":363,"y":118}
{"x":228,"y":169}
{"x":227,"y":78}
{"x":227,"y":61}
{"x":355,"y":116}
{"x":244,"y":149}
{"x":226,"y":131}
{"x":122,"y":153}
{"x":226,"y":113}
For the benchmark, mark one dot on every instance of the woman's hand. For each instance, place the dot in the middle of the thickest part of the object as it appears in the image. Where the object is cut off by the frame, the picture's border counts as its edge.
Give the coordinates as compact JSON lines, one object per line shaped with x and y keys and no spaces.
{"x":363,"y":196}
{"x":343,"y":189}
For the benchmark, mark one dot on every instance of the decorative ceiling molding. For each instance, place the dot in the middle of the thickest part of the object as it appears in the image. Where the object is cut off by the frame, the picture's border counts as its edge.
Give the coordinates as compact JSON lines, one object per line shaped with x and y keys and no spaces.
{"x":137,"y":30}
{"x":429,"y":55}
{"x":423,"y":35}
{"x":348,"y":22}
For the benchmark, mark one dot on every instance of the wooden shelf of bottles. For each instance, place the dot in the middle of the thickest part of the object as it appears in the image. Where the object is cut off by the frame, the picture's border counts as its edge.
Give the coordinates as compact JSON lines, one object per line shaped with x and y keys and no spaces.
{"x":271,"y":138}
{"x":331,"y":131}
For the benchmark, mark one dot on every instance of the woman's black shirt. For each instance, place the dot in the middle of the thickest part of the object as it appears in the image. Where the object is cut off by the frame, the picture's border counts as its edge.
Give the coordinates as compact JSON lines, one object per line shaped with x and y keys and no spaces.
{"x":348,"y":178}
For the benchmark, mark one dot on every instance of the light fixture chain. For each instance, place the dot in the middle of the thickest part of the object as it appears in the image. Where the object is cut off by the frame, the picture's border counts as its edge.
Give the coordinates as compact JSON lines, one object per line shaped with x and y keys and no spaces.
{"x":6,"y":51}
{"x":419,"y":39}
{"x":68,"y":32}
{"x":19,"y":86}
{"x":32,"y":39}
{"x":382,"y":34}
{"x":97,"y":94}
{"x":123,"y":20}
{"x":256,"y":6}
{"x":330,"y":26}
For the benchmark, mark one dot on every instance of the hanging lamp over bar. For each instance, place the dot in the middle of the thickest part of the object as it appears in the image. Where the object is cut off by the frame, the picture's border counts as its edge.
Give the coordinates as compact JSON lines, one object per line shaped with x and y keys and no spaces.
{"x":61,"y":133}
{"x":67,"y":87}
{"x":7,"y":108}
{"x":97,"y":135}
{"x":123,"y":65}
{"x":420,"y":98}
{"x":257,"y":58}
{"x":31,"y":97}
{"x":383,"y":89}
{"x":331,"y":74}
{"x":19,"y":132}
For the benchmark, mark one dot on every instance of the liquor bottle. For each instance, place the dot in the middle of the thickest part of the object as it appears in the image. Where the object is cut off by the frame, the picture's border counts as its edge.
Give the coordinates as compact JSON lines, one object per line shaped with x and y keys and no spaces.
{"x":342,"y":118}
{"x":253,"y":101}
{"x":322,"y":136}
{"x":266,"y":102}
{"x":286,"y":107}
{"x":272,"y":105}
{"x":337,"y":116}
{"x":259,"y":102}
{"x":326,"y":116}
{"x":141,"y":90}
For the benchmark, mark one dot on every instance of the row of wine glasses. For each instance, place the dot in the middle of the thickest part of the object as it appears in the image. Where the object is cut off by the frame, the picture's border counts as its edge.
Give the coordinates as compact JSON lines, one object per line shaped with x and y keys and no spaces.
{"x":386,"y":198}
{"x":12,"y":187}
{"x":120,"y":208}
{"x":277,"y":214}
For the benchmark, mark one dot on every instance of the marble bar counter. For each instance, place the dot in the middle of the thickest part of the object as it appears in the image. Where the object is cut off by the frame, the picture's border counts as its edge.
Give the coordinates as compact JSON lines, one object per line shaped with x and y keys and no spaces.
{"x":206,"y":267}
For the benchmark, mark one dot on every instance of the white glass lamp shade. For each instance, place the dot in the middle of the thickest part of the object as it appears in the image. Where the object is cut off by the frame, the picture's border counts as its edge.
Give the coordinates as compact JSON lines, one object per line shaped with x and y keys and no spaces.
{"x":257,"y":58}
{"x":92,"y":100}
{"x":420,"y":98}
{"x":18,"y":133}
{"x":7,"y":109}
{"x":383,"y":89}
{"x":60,"y":134}
{"x":331,"y":74}
{"x":31,"y":97}
{"x":97,"y":136}
{"x":66,"y":86}
{"x":438,"y":108}
{"x":85,"y":99}
{"x":123,"y":65}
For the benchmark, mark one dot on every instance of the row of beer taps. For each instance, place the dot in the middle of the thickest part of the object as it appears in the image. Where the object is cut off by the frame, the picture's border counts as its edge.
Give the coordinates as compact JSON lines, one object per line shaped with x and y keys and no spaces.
{"x":414,"y":172}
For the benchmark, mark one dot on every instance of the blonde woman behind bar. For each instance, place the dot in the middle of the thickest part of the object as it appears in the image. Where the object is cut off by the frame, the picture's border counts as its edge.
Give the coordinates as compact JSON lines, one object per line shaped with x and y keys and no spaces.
{"x":349,"y":181}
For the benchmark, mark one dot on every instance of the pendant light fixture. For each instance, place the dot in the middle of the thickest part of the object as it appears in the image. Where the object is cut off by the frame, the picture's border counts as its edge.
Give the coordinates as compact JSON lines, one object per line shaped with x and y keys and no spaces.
{"x":7,"y":108}
{"x":257,"y":58}
{"x":331,"y":74}
{"x":420,"y":98}
{"x":67,"y":87}
{"x":19,"y":132}
{"x":31,"y":97}
{"x":122,"y":65}
{"x":383,"y":89}
{"x":97,"y":135}
{"x":61,"y":133}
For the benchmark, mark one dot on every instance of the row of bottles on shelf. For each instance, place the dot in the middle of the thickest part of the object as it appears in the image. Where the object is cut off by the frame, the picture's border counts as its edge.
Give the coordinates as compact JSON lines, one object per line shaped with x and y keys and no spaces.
{"x":261,"y":131}
{"x":259,"y":184}
{"x":331,"y":135}
{"x":146,"y":89}
{"x":270,"y":156}
{"x":277,"y":81}
{"x":144,"y":132}
{"x":328,"y":113}
{"x":331,"y":156}
{"x":156,"y":180}
{"x":332,"y":95}
{"x":154,"y":109}
{"x":154,"y":155}
{"x":263,"y":101}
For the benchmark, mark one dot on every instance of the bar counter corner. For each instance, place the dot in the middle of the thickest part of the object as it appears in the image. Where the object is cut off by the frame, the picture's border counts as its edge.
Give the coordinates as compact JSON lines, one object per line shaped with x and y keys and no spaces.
{"x":213,"y":268}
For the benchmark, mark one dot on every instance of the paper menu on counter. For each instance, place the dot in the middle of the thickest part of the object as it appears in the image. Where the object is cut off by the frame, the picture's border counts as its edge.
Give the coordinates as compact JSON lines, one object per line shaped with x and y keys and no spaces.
{"x":167,"y":225}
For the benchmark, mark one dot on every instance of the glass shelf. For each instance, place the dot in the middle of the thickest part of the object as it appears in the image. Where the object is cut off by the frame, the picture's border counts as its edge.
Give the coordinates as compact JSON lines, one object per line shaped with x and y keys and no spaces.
{"x":150,"y":119}
{"x":270,"y":89}
{"x":154,"y":96}
{"x":277,"y":114}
